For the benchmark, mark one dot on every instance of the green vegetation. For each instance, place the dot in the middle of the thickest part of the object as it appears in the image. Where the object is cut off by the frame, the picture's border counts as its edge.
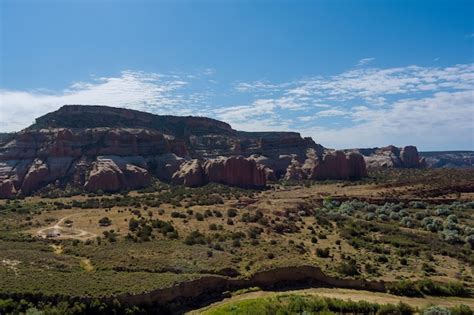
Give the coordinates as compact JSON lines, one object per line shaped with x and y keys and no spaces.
{"x":429,"y":287}
{"x":10,"y":306}
{"x":168,"y":234}
{"x":306,"y":304}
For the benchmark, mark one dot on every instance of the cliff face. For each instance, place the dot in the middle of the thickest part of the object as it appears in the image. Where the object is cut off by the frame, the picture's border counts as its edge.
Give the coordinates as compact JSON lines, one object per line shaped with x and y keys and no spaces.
{"x":110,"y":149}
{"x":449,"y":159}
{"x":392,"y":157}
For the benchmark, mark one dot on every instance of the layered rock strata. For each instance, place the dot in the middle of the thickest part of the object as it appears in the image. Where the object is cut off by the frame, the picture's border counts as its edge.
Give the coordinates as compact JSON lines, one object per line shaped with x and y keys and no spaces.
{"x":112,"y":149}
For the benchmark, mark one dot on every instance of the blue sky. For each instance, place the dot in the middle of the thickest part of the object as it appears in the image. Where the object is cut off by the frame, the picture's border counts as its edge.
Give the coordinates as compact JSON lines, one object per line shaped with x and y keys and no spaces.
{"x":347,"y":73}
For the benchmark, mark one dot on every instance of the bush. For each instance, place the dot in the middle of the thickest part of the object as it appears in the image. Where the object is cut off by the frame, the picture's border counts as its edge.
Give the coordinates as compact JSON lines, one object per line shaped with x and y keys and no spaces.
{"x":195,"y":237}
{"x":436,"y":310}
{"x":323,"y":253}
{"x":429,"y":287}
{"x":417,"y":205}
{"x":133,"y":224}
{"x":105,"y":221}
{"x":348,"y":268}
{"x":391,"y":309}
{"x":382,"y":259}
{"x":231,"y":213}
{"x":461,"y":310}
{"x":442,"y":211}
{"x":371,"y":269}
{"x":404,"y":288}
{"x":428,"y":268}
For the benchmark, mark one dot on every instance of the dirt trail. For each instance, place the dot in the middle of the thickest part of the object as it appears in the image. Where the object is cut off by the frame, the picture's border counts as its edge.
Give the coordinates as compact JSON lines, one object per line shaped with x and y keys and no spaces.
{"x":57,"y":231}
{"x":348,"y":294}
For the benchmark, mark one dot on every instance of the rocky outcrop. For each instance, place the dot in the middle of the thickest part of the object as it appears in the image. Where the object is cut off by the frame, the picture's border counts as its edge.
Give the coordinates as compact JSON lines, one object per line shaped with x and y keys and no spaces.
{"x":190,"y":174}
{"x":105,"y":175}
{"x":165,"y":165}
{"x":7,"y":189}
{"x":295,"y":171}
{"x":332,"y":165}
{"x":115,"y":174}
{"x":36,"y":175}
{"x":357,"y":167}
{"x":410,"y":158}
{"x":234,"y":171}
{"x":110,"y":149}
{"x":392,"y":157}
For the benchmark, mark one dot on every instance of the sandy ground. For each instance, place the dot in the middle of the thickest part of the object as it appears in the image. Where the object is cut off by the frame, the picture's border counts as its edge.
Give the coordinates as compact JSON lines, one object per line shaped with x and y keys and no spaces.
{"x":64,"y":232}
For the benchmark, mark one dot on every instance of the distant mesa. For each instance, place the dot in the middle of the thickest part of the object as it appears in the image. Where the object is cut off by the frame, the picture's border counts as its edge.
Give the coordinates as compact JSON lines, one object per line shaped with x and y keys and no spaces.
{"x":113,"y":149}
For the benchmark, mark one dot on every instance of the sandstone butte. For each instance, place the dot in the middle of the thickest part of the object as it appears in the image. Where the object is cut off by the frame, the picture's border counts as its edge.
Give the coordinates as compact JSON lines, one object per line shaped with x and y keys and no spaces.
{"x":113,"y":149}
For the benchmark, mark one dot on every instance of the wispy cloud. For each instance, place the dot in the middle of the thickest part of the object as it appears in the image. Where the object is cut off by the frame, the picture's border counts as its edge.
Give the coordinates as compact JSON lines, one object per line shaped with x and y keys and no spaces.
{"x":428,"y":106}
{"x":158,"y":93}
{"x":364,"y":61}
{"x":443,"y":120}
{"x":325,"y":113}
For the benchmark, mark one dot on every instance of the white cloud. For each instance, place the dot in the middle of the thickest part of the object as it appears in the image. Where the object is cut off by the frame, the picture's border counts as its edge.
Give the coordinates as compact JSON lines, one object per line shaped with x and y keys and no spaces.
{"x":431,"y":107}
{"x":364,"y":61}
{"x":136,"y":90}
{"x":444,"y":120}
{"x":428,"y":106}
{"x":324,"y":113}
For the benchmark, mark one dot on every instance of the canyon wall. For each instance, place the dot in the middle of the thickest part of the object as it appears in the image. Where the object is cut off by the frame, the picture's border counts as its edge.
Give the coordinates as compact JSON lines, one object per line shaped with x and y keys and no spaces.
{"x":112,"y":149}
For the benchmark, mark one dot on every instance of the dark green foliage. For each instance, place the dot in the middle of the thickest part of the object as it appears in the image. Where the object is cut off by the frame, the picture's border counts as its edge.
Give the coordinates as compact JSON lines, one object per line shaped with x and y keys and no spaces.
{"x":304,"y":304}
{"x":323,"y":253}
{"x":143,"y":229}
{"x":231,"y":213}
{"x":111,"y":236}
{"x":105,"y":221}
{"x":461,"y":310}
{"x":348,"y":268}
{"x":429,"y":287}
{"x":133,"y":224}
{"x":65,"y":307}
{"x":252,"y":217}
{"x":199,"y":216}
{"x":195,"y":237}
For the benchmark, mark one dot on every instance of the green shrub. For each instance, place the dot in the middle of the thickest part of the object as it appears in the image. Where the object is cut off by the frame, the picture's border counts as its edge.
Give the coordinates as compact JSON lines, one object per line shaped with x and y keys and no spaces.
{"x":105,"y":221}
{"x":195,"y":237}
{"x":323,"y":253}
{"x":348,"y":268}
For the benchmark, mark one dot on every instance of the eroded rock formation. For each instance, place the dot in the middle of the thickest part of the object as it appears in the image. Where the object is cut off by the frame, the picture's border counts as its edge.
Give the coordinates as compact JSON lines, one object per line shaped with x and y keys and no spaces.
{"x":392,"y":157}
{"x":332,"y":165}
{"x":111,"y":149}
{"x":234,"y":170}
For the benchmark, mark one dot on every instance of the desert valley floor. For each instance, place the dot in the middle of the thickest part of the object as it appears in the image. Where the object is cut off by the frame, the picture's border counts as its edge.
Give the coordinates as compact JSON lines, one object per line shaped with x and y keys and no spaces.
{"x":402,"y":231}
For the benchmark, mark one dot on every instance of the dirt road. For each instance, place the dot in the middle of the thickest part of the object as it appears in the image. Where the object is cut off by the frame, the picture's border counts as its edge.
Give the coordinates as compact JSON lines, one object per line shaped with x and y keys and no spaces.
{"x":58,"y":231}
